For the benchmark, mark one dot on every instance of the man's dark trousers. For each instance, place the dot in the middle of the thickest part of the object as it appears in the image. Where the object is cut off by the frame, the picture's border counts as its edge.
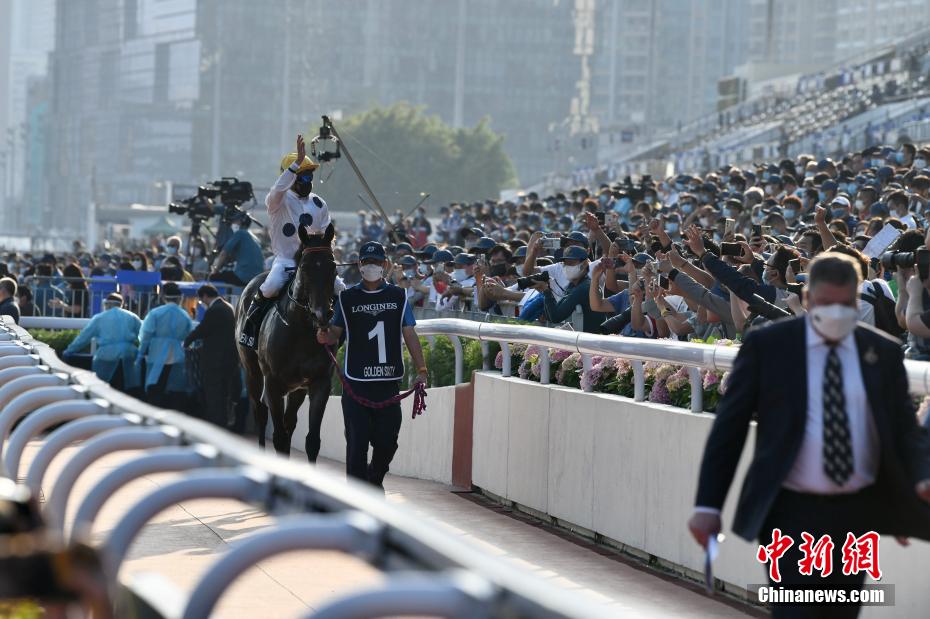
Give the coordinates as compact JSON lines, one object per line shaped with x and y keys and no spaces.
{"x":220,"y":389}
{"x":794,"y":513}
{"x":378,"y":427}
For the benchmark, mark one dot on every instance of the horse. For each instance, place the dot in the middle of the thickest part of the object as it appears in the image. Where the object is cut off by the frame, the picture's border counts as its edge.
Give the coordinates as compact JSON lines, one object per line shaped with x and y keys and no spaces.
{"x":288,"y":362}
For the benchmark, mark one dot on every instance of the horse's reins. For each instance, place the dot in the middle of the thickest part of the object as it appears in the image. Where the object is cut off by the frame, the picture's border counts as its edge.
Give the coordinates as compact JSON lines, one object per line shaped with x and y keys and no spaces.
{"x":418,"y":391}
{"x":290,"y":287}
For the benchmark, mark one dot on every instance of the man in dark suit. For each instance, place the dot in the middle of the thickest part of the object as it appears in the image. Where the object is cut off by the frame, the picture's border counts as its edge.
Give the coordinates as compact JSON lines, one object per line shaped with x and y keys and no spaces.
{"x":219,"y":359}
{"x":838,"y":448}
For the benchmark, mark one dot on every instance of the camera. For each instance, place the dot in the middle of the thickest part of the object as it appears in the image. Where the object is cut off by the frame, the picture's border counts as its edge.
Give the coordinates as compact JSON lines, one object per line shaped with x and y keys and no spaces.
{"x":894,"y":260}
{"x":525,"y":282}
{"x":229,"y":191}
{"x":731,"y":249}
{"x":551,"y":243}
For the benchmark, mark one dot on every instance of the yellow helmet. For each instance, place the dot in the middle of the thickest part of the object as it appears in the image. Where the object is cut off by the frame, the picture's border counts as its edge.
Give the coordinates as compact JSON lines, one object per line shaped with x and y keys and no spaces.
{"x":308,"y":163}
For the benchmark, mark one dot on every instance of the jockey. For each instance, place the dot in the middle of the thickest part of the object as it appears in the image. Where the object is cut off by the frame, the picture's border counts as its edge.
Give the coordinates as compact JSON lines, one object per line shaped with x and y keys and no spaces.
{"x":288,"y":200}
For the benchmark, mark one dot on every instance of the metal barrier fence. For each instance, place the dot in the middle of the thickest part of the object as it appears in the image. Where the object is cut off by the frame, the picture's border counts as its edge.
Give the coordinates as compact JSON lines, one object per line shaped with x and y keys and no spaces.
{"x":637,"y":350}
{"x":429,"y":571}
{"x":62,"y":297}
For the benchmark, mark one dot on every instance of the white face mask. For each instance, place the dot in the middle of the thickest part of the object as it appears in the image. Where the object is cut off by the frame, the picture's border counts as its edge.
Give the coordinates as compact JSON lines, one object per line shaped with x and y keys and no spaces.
{"x":423,"y":269}
{"x":234,"y":228}
{"x":171,"y":250}
{"x":371,"y":272}
{"x":574,"y":271}
{"x":834,"y":322}
{"x":410,"y":273}
{"x":136,"y":264}
{"x":459,"y":275}
{"x":519,"y":269}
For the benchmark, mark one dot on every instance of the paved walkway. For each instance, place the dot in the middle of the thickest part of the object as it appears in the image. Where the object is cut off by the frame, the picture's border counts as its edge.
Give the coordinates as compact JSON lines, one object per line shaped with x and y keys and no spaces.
{"x":181,"y":542}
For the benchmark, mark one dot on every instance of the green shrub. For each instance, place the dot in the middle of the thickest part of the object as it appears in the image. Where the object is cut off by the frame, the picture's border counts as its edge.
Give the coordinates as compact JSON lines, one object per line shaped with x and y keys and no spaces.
{"x":57,"y":340}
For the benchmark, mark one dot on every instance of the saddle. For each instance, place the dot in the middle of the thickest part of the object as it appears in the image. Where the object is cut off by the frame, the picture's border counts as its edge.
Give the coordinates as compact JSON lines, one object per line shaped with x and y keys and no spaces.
{"x":252,"y":326}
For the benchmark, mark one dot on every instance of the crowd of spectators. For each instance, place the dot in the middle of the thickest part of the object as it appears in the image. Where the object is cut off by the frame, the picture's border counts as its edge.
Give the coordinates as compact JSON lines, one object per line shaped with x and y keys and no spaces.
{"x":686,"y":257}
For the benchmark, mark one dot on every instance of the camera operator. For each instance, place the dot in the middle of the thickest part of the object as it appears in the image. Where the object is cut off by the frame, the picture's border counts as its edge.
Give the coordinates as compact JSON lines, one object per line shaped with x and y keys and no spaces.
{"x":496,"y":283}
{"x":243,"y":249}
{"x":575,"y":268}
{"x":909,"y":241}
{"x":461,"y":289}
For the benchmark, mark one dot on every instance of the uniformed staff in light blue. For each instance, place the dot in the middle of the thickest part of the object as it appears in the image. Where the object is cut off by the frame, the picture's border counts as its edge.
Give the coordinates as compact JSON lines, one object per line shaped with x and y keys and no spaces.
{"x":162,"y":347}
{"x":116,"y":333}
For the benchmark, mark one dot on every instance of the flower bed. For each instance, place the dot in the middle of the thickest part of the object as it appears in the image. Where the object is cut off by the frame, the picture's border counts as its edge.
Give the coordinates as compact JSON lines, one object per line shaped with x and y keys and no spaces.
{"x":664,"y":383}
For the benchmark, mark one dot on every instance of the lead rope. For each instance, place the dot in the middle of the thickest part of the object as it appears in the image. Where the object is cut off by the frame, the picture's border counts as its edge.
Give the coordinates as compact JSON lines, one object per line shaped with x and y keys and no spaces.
{"x":418,"y":391}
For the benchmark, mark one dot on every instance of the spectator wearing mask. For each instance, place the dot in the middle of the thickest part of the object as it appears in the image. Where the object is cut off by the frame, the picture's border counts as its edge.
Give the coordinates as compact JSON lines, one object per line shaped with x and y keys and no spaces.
{"x":161,"y":345}
{"x":219,"y":358}
{"x":421,"y":228}
{"x":46,"y":292}
{"x":173,"y":249}
{"x":461,"y":289}
{"x":115,"y":332}
{"x":575,"y":269}
{"x":199,"y":265}
{"x":243,"y":249}
{"x":24,"y":300}
{"x":8,"y":305}
{"x":76,"y":301}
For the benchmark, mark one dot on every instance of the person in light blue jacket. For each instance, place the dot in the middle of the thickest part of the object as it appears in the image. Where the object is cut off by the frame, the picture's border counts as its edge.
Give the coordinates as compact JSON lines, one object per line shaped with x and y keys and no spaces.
{"x":116,"y":332}
{"x":162,"y":347}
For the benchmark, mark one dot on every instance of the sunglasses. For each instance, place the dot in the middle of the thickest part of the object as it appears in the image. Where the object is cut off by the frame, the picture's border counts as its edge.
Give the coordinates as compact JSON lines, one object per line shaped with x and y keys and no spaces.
{"x":305,"y":177}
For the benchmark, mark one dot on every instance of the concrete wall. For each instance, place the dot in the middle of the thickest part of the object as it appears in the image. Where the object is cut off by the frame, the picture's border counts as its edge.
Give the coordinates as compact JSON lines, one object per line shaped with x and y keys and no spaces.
{"x":601,"y":463}
{"x":425,"y":443}
{"x":628,"y":471}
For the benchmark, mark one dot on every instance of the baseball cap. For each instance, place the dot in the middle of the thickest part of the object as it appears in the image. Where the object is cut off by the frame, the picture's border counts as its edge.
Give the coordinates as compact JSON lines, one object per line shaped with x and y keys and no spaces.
{"x":573,"y":252}
{"x":464,"y":258}
{"x":841,"y":200}
{"x":577,"y":237}
{"x":485,"y":243}
{"x":371,"y":250}
{"x":441,"y":256}
{"x":407,"y":261}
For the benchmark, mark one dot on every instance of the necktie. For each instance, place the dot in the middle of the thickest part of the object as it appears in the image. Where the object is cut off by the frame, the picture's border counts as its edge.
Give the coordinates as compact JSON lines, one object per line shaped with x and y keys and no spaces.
{"x":837,"y":445}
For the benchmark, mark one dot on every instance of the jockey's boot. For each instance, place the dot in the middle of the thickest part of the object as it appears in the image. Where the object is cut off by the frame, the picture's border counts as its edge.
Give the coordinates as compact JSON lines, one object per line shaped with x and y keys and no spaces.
{"x":253,"y":319}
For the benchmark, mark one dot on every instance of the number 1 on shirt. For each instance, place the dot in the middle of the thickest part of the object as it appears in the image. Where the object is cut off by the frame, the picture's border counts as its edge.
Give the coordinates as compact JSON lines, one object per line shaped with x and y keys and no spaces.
{"x":378,"y":332}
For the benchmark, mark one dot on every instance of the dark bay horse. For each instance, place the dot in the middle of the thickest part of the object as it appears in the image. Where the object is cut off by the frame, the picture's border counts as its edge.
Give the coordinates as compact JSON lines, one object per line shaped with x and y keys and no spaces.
{"x":288,"y":362}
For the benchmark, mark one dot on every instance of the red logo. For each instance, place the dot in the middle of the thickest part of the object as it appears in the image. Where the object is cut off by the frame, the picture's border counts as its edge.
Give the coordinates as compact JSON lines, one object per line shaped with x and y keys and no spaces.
{"x":817,"y":555}
{"x":773,"y":552}
{"x":860,"y":554}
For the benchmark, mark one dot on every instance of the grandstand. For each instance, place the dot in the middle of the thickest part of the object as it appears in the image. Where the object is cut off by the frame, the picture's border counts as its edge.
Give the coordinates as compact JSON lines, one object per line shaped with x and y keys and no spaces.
{"x":879,"y":97}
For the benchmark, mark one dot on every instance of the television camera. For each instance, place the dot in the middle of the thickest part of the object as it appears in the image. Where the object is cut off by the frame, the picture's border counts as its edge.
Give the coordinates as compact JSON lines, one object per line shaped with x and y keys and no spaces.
{"x":222,"y":198}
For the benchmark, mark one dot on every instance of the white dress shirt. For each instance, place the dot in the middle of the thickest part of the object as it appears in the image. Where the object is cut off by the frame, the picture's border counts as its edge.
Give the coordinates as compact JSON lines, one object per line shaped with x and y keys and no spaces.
{"x":807,"y":474}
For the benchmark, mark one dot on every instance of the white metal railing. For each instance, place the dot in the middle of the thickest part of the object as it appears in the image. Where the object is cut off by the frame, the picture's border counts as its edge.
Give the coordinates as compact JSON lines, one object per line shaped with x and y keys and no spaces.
{"x":429,"y":571}
{"x":637,"y":350}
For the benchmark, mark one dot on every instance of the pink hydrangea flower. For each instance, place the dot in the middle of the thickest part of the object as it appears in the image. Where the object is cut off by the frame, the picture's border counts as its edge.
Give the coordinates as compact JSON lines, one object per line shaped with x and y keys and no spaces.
{"x":591,"y":378}
{"x":711,"y":378}
{"x":499,"y":360}
{"x":660,"y":394}
{"x":557,"y":356}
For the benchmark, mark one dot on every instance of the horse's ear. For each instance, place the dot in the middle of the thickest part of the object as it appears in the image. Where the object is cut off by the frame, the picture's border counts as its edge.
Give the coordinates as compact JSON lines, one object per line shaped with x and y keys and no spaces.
{"x":302,"y":234}
{"x":329,"y":235}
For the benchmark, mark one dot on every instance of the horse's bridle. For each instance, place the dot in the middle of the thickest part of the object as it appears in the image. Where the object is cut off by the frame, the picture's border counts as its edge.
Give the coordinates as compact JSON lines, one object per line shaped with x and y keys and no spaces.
{"x":290,"y":288}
